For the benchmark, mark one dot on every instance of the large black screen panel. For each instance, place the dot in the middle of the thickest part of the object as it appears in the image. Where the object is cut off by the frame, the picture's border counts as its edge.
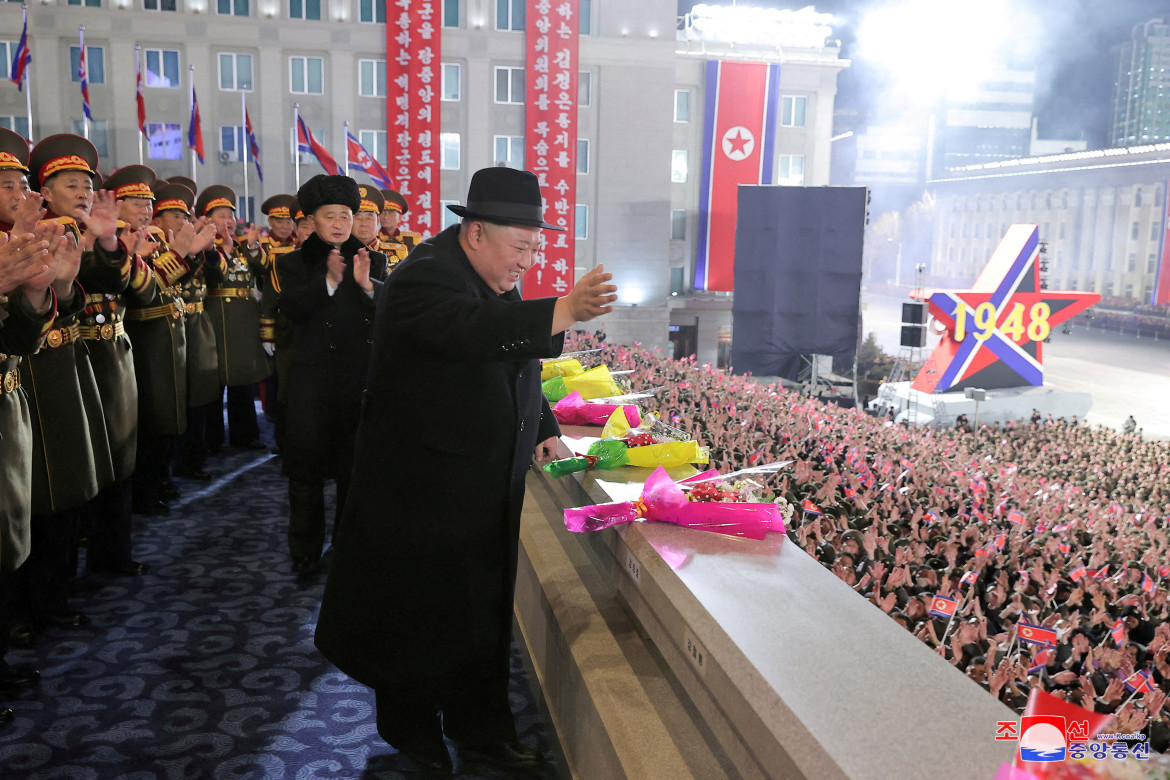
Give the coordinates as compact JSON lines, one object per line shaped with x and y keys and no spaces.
{"x":797,"y":276}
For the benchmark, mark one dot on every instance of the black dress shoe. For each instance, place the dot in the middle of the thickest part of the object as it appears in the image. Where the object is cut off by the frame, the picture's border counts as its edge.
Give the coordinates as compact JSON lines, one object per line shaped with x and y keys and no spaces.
{"x":168,"y":492}
{"x":303,"y":565}
{"x":508,"y":755}
{"x":131,"y":569}
{"x":67,"y":620}
{"x":255,"y":444}
{"x":199,"y":475}
{"x":429,"y":755}
{"x":6,"y":716}
{"x":150,"y":508}
{"x":15,"y":678}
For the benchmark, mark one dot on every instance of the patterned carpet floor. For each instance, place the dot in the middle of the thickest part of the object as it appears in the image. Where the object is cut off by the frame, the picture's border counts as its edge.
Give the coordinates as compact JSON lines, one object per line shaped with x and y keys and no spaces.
{"x":205,"y":667}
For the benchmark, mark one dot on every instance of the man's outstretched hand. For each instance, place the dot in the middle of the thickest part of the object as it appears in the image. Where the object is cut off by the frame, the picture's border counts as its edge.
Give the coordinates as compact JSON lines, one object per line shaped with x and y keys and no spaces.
{"x":591,"y":297}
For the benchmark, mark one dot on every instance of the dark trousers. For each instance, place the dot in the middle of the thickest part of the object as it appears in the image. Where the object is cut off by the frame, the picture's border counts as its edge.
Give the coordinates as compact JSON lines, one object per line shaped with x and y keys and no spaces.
{"x":153,"y":465}
{"x":40,"y":588}
{"x":242,"y":425}
{"x":107,"y":518}
{"x":306,"y":516}
{"x":190,"y":448}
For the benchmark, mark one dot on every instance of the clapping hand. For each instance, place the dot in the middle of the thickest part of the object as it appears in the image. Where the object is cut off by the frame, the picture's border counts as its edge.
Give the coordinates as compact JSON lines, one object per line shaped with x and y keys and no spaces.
{"x":361,"y":270}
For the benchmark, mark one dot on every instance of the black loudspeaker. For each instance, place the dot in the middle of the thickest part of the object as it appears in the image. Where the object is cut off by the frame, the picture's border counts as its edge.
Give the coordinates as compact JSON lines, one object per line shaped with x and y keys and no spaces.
{"x":914,"y":336}
{"x":914,"y":313}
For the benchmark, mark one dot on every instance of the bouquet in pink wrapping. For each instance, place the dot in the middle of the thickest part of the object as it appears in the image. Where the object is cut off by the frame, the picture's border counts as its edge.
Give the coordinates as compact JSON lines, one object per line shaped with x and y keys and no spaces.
{"x":573,"y":410}
{"x":706,"y":505}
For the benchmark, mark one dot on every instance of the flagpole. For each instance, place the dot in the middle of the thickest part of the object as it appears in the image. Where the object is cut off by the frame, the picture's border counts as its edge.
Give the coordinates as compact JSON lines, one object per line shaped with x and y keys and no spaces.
{"x":296,"y":145}
{"x":138,"y":68}
{"x":85,"y":76}
{"x":244,"y":150}
{"x":27,"y":76}
{"x":191,"y":104}
{"x":345,"y":143}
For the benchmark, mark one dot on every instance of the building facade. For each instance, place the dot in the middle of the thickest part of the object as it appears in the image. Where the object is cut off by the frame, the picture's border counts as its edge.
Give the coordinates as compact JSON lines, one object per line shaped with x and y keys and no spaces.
{"x":640,"y":109}
{"x":1141,"y":91}
{"x":1102,"y":215}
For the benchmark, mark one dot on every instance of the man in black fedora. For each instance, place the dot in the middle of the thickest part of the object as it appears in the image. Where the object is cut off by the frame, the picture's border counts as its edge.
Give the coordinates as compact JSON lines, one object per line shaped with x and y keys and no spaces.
{"x":418,"y":604}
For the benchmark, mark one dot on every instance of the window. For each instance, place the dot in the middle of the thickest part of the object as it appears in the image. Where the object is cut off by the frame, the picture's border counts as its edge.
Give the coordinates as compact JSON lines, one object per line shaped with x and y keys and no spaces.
{"x":162,"y":68}
{"x":375,"y":143}
{"x":1152,"y":263}
{"x":231,"y":143}
{"x":7,"y":51}
{"x":232,"y":8}
{"x":450,"y":13}
{"x":1155,"y":231}
{"x":682,"y":105}
{"x":792,"y":173}
{"x":678,"y":225}
{"x":87,"y":3}
{"x":371,"y":78}
{"x":1134,"y":230}
{"x":94,"y":60}
{"x":164,"y":141}
{"x":158,"y":5}
{"x":1131,"y":264}
{"x":98,"y":135}
{"x":448,"y":217}
{"x":235,"y":71}
{"x":451,"y":80}
{"x":17,"y":124}
{"x":510,"y":15}
{"x":510,"y":151}
{"x":449,"y":151}
{"x":678,"y":166}
{"x":585,"y":16}
{"x":372,"y":11}
{"x":307,"y":76}
{"x":792,"y":110}
{"x":583,"y":155}
{"x":581,"y":222}
{"x":1137,"y":196}
{"x":305,"y":9}
{"x":510,"y":85}
{"x":1060,"y":230}
{"x":584,"y":89}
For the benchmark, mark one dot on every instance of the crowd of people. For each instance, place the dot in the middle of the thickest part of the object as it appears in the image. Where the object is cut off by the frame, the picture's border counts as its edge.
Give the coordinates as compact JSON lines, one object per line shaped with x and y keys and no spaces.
{"x":1046,"y":523}
{"x":1125,"y":315}
{"x":130,"y":306}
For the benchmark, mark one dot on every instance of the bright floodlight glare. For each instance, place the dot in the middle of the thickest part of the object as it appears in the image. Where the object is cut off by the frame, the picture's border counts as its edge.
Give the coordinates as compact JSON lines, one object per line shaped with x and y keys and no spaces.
{"x":804,"y":28}
{"x":931,"y":49}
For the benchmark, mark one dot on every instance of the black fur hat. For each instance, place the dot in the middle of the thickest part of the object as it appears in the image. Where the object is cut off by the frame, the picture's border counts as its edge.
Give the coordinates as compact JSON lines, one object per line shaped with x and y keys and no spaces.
{"x":324,"y":190}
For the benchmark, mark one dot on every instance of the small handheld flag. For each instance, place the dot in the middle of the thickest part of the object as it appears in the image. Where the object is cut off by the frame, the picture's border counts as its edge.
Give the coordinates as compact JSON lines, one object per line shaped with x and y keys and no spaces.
{"x":1118,"y":632}
{"x":943,"y":607}
{"x":1037,"y":635}
{"x":969,"y":578}
{"x":1040,"y":662}
{"x":1140,"y":681}
{"x":811,"y":508}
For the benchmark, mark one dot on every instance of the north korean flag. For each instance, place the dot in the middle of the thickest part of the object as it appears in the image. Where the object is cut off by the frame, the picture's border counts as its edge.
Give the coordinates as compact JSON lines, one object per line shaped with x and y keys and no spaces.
{"x":1118,"y":632}
{"x":943,"y":607}
{"x":1140,"y":681}
{"x":1037,"y":635}
{"x":739,"y":129}
{"x":811,"y":508}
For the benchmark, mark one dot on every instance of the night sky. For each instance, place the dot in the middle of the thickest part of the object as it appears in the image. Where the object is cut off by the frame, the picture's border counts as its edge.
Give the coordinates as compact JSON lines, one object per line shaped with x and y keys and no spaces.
{"x":1071,"y":44}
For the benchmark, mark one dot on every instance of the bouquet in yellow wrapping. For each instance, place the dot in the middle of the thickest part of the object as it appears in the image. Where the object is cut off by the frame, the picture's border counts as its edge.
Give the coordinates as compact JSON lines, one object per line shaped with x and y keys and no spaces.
{"x":595,"y":382}
{"x":644,"y":446}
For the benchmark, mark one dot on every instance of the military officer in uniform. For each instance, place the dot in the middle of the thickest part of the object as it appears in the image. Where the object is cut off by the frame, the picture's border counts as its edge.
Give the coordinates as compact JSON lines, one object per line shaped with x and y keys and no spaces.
{"x":71,"y":450}
{"x":327,"y":291}
{"x":305,"y":225}
{"x":396,"y":242}
{"x":154,"y":320}
{"x":365,"y":220}
{"x":275,"y":332}
{"x":233,"y":269}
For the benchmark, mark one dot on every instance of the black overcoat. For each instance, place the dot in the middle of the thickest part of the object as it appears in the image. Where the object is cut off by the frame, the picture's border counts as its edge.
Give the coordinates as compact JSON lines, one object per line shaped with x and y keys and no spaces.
{"x":424,"y":568}
{"x":330,"y":351}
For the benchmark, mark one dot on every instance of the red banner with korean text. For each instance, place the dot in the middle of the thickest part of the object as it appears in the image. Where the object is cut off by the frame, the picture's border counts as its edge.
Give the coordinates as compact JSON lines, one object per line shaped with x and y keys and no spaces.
{"x":413,"y":53}
{"x":550,"y":119}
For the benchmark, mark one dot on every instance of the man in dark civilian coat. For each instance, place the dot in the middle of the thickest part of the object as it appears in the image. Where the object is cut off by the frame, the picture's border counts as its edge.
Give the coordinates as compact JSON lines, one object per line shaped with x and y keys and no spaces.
{"x":418,"y":604}
{"x":327,"y":290}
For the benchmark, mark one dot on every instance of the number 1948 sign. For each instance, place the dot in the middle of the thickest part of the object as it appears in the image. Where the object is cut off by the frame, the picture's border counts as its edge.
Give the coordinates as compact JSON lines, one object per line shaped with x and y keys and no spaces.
{"x":995,"y":330}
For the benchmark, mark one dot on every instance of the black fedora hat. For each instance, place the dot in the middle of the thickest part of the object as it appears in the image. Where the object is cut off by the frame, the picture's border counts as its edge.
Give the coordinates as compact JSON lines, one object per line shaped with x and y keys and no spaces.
{"x":505,"y":196}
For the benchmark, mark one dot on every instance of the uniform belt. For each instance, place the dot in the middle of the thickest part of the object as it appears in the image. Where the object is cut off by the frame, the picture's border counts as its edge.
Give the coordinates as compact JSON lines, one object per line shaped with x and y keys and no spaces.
{"x":59,"y":337}
{"x":231,"y":292}
{"x":107,"y":332}
{"x":174,"y":310}
{"x":9,"y":381}
{"x":194,"y":307}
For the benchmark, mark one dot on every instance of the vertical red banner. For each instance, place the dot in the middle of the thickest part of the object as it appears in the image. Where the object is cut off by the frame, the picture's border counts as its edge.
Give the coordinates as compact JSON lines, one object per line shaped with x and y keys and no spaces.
{"x":550,"y":118}
{"x":1162,"y":277}
{"x":413,"y":54}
